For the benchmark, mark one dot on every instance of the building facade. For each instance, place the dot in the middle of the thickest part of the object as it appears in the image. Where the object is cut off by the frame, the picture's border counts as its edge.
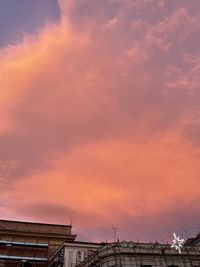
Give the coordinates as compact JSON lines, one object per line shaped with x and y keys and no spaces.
{"x":72,"y":254}
{"x":27,"y":244}
{"x":130,"y":254}
{"x":30,"y":242}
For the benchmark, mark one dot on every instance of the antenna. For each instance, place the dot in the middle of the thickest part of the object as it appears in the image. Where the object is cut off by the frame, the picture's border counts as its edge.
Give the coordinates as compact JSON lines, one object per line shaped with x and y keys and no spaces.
{"x":114,"y":228}
{"x":70,"y":221}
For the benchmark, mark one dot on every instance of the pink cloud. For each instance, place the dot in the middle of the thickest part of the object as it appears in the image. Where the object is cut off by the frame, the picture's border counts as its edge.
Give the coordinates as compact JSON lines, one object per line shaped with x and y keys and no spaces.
{"x":97,"y":119}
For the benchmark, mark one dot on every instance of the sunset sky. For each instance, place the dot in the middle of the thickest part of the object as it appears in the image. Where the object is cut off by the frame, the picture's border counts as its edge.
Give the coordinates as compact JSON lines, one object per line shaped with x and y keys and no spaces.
{"x":100,"y":116}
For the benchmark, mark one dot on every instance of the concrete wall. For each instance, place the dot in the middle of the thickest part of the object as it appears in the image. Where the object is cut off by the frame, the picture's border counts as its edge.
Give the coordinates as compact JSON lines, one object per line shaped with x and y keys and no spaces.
{"x":73,"y":253}
{"x":77,"y":252}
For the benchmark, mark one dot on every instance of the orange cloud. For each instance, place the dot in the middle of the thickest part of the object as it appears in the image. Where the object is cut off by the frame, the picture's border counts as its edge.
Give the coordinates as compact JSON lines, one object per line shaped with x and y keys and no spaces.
{"x":91,"y":123}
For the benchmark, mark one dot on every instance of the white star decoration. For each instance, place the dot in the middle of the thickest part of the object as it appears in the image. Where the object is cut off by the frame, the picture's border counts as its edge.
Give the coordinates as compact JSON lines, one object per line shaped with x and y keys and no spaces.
{"x":177,"y":243}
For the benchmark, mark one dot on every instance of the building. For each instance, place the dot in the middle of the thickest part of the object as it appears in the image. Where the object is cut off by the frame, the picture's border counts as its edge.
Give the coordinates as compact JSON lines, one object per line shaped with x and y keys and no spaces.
{"x":28,"y":244}
{"x":130,"y":254}
{"x":31,"y":242}
{"x":72,"y":254}
{"x":195,"y":241}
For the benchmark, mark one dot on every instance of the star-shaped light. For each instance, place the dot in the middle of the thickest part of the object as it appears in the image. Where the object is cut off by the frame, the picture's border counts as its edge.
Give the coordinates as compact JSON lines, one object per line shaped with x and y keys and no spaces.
{"x":177,"y":243}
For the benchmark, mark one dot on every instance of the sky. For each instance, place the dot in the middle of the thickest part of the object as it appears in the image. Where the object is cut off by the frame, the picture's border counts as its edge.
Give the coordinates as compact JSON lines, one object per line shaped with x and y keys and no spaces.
{"x":100,"y":116}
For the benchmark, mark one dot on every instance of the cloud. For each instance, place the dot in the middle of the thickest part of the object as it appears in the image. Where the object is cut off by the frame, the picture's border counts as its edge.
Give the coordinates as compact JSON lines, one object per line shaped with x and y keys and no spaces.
{"x":97,"y":119}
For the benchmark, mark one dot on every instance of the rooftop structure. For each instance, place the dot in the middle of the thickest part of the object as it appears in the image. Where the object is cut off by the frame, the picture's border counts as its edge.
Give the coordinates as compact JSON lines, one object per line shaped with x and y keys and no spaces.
{"x":195,"y":241}
{"x":130,"y":254}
